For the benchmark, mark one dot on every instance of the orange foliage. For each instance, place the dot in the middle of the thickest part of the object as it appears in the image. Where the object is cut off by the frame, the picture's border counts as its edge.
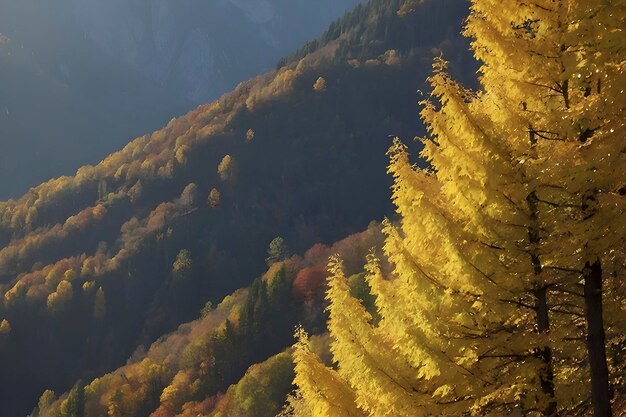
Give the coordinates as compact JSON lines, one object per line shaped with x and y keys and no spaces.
{"x":195,"y":409}
{"x":20,"y":251}
{"x":310,"y":284}
{"x":163,"y":412}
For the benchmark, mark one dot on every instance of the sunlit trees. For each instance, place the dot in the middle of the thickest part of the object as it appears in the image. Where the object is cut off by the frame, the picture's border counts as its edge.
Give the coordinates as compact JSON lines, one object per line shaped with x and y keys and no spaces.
{"x":227,"y":169}
{"x":566,"y":100}
{"x":182,"y":154}
{"x":260,"y":392}
{"x":135,"y":192}
{"x":61,"y":297}
{"x":43,"y":405}
{"x":310,"y":284}
{"x":206,"y":309}
{"x":506,"y":242}
{"x":249,"y":135}
{"x":116,"y":404}
{"x":320,"y":85}
{"x":326,"y":393}
{"x":294,"y":126}
{"x":183,"y":265}
{"x":189,"y":195}
{"x":214,"y":198}
{"x":5,"y":327}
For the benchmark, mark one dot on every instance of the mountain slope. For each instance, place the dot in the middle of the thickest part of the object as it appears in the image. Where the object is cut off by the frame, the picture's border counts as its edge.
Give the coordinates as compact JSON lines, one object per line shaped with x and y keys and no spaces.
{"x":43,"y":95}
{"x":94,"y":265}
{"x":201,"y":367}
{"x":200,"y":48}
{"x":94,"y":74}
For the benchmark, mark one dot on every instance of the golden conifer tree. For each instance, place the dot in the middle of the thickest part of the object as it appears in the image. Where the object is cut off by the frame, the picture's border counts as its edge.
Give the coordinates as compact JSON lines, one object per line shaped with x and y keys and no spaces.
{"x":506,"y":243}
{"x":556,"y":69}
{"x":327,"y":394}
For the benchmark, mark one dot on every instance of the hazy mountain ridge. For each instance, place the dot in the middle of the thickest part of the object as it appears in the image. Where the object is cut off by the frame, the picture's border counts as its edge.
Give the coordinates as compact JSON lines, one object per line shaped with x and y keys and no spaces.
{"x":126,"y":67}
{"x":41,"y":97}
{"x":200,"y":49}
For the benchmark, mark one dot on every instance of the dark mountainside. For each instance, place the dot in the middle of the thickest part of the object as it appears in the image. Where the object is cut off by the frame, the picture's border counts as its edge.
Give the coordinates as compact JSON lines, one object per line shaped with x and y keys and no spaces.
{"x":128,"y":249}
{"x":232,"y":360}
{"x":126,"y":67}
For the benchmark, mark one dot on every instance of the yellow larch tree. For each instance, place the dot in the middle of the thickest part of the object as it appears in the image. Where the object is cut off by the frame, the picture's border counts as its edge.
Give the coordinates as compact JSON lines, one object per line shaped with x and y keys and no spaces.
{"x":327,"y":394}
{"x":506,"y":243}
{"x":555,"y":72}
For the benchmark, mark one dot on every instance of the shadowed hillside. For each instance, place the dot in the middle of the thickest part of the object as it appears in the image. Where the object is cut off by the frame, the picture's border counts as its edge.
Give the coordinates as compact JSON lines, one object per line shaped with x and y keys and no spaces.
{"x":79,"y":78}
{"x":202,"y":367}
{"x":135,"y":245}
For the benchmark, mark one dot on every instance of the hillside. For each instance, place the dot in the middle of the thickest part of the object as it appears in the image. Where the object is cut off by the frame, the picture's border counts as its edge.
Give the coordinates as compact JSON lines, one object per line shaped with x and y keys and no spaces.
{"x":42,"y":93}
{"x":135,"y":245}
{"x":127,"y":75}
{"x":191,"y":47}
{"x":207,"y":366}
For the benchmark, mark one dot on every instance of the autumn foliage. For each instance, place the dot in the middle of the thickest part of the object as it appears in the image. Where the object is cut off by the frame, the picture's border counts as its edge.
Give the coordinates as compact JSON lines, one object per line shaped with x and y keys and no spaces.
{"x":506,"y":285}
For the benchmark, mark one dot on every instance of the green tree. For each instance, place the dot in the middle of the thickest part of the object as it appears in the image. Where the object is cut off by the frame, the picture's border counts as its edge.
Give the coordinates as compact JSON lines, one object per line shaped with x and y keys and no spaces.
{"x":45,"y":401}
{"x":183,"y":265}
{"x":116,"y":404}
{"x":277,"y":251}
{"x":74,"y":404}
{"x":208,"y":308}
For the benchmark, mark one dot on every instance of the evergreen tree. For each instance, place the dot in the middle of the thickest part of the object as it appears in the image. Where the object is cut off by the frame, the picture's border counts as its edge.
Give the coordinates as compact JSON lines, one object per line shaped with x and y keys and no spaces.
{"x":116,"y":404}
{"x":183,"y":266}
{"x":74,"y":404}
{"x":277,"y":251}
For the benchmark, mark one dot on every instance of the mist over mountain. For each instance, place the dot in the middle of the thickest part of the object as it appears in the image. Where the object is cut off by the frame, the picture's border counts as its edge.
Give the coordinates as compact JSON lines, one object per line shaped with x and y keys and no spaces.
{"x":79,"y":79}
{"x":203,"y":48}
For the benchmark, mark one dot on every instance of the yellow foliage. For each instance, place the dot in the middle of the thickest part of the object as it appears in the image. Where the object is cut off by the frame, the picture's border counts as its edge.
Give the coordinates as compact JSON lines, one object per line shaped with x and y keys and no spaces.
{"x":249,"y":135}
{"x":227,"y":168}
{"x":173,"y":395}
{"x":521,"y":197}
{"x":214,"y":198}
{"x":281,"y":84}
{"x":320,"y":85}
{"x":63,"y":294}
{"x":181,"y":154}
{"x":70,"y":275}
{"x":5,"y":327}
{"x":326,"y":394}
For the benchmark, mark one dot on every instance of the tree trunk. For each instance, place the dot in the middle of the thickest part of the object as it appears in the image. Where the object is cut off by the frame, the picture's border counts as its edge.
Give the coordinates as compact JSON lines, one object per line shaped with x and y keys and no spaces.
{"x":600,"y":392}
{"x":543,"y":353}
